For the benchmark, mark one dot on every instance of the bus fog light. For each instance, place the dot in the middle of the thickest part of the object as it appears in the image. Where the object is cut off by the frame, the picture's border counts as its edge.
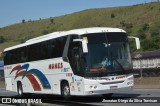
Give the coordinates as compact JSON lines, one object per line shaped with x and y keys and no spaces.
{"x":90,"y":92}
{"x":130,"y":82}
{"x":95,"y":87}
{"x":90,"y":87}
{"x":127,"y":83}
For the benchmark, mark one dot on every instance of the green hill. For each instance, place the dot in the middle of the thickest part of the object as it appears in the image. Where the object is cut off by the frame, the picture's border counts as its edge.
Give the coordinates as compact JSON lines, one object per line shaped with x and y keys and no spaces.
{"x":141,"y":20}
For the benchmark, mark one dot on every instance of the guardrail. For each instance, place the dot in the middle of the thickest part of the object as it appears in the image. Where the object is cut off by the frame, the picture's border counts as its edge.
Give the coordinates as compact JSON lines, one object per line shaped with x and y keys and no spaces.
{"x":146,"y":72}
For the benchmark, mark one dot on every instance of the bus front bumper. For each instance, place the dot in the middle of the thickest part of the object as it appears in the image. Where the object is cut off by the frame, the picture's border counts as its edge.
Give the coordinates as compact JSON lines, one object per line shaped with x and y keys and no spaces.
{"x":98,"y":87}
{"x":100,"y":92}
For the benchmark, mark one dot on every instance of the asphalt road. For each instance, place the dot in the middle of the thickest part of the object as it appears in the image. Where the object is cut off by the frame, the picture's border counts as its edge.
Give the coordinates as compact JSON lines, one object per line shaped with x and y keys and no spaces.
{"x":129,"y":98}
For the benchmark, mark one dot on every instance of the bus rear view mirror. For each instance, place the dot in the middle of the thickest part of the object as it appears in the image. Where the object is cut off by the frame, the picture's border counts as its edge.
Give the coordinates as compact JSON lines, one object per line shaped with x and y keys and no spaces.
{"x":84,"y":44}
{"x":136,"y":40}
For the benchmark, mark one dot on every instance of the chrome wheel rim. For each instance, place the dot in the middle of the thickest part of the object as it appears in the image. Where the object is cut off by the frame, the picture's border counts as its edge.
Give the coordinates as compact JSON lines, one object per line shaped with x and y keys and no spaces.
{"x":20,"y":91}
{"x":66,"y":90}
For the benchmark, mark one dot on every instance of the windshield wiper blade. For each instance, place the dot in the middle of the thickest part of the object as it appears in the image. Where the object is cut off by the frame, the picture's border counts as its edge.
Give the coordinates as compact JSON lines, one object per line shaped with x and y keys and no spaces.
{"x":119,"y":64}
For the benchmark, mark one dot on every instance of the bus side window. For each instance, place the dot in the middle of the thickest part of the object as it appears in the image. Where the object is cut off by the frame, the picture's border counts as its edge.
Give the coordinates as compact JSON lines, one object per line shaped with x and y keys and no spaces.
{"x":43,"y":50}
{"x":51,"y":49}
{"x":56,"y":47}
{"x":59,"y":47}
{"x":22,"y":55}
{"x":6,"y":58}
{"x":34,"y":52}
{"x":10,"y":57}
{"x":13,"y":56}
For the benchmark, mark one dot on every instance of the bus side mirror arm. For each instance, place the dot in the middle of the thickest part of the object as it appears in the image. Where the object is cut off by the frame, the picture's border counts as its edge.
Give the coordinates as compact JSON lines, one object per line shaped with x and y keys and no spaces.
{"x":85,"y":47}
{"x":136,"y":40}
{"x":84,"y":44}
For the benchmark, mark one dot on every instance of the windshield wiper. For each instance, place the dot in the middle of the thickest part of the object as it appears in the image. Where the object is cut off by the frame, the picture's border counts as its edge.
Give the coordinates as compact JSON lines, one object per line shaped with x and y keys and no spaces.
{"x":118,"y":64}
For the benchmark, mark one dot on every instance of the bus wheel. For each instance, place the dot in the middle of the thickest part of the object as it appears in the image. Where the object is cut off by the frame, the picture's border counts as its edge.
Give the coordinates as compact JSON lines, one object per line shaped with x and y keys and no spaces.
{"x":20,"y":89}
{"x":65,"y":90}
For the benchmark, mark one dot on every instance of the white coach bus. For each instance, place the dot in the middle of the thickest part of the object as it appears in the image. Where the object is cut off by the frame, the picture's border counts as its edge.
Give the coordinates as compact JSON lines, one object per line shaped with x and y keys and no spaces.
{"x":89,"y":61}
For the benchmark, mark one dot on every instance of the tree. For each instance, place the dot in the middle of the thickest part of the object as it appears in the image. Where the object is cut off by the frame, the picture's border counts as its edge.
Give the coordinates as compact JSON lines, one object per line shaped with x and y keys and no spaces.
{"x":129,"y":25}
{"x":52,"y":21}
{"x":112,"y":15}
{"x":141,"y":34}
{"x":44,"y":32}
{"x":123,"y":23}
{"x":22,"y":40}
{"x":23,"y":21}
{"x":145,"y":26}
{"x":2,"y":39}
{"x":99,"y":25}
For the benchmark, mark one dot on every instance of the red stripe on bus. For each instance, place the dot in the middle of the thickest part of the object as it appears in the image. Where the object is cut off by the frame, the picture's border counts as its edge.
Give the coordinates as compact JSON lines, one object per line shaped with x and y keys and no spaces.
{"x":15,"y":68}
{"x":19,"y":74}
{"x":34,"y":82}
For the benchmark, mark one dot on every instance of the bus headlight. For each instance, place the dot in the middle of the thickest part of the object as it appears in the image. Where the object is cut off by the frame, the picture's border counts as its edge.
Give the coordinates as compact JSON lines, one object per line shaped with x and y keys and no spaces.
{"x":93,"y":87}
{"x":130,"y":83}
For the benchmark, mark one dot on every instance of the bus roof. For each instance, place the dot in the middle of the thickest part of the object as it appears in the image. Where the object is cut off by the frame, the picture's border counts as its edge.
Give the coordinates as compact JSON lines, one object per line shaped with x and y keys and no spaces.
{"x":65,"y":33}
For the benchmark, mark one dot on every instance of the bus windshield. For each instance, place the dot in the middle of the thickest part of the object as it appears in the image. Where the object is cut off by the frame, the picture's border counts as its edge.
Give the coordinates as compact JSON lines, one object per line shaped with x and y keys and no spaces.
{"x":108,"y":54}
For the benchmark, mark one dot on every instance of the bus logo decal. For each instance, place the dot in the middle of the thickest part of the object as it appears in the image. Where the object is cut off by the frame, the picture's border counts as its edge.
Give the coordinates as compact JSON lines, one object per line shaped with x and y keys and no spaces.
{"x":24,"y":67}
{"x":15,"y":68}
{"x":56,"y":66}
{"x":40,"y":76}
{"x":19,"y":74}
{"x":66,"y":69}
{"x":34,"y":82}
{"x":22,"y":71}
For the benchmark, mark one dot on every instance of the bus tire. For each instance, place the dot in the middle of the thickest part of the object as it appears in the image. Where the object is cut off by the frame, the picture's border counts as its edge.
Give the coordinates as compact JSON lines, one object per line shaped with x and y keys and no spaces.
{"x":19,"y":89}
{"x":65,"y":90}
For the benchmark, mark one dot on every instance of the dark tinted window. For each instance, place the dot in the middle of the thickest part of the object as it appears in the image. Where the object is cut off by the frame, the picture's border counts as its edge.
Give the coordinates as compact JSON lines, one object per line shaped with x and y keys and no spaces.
{"x":116,"y":37}
{"x":59,"y":47}
{"x":33,"y":52}
{"x":21,"y":55}
{"x":15,"y":56}
{"x":47,"y":49}
{"x":44,"y":50}
{"x":72,"y":53}
{"x":10,"y":57}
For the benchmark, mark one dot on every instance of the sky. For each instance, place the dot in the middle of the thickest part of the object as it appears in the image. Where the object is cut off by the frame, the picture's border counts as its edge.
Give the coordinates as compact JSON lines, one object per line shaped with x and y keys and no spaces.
{"x":14,"y":11}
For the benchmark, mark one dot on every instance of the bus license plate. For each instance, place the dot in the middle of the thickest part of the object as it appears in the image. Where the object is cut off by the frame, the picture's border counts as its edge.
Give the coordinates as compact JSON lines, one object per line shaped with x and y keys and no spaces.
{"x":113,"y":87}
